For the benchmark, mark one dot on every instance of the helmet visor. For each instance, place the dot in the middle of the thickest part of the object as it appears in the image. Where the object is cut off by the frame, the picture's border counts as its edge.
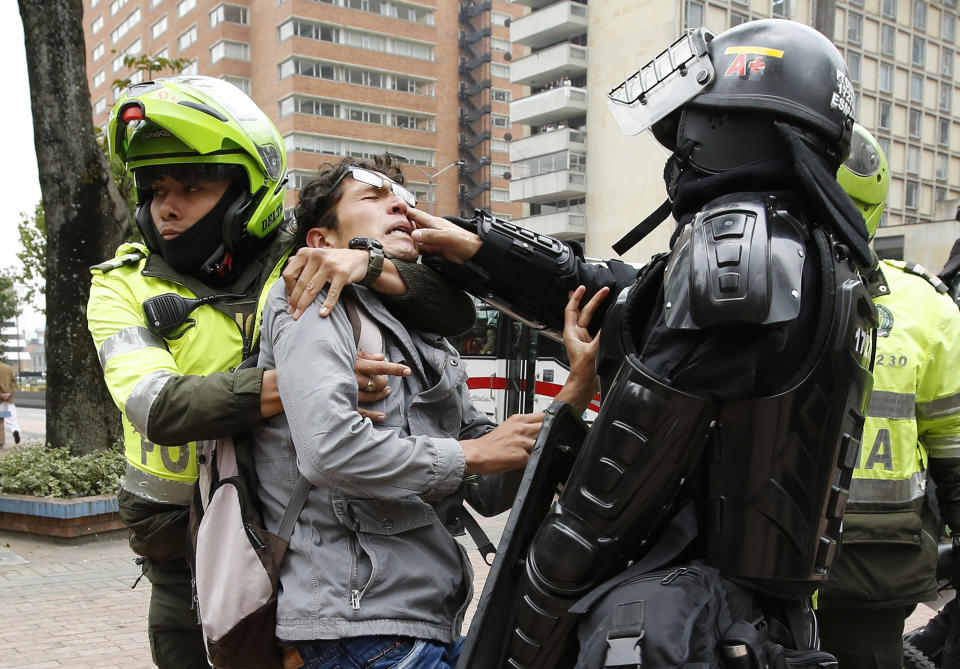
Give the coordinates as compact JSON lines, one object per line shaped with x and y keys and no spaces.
{"x":864,"y":160}
{"x":664,"y":84}
{"x":187,"y":173}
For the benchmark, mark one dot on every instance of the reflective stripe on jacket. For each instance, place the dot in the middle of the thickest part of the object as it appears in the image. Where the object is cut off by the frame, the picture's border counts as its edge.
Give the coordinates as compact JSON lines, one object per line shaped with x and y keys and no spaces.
{"x":138,"y":364}
{"x":888,"y":551}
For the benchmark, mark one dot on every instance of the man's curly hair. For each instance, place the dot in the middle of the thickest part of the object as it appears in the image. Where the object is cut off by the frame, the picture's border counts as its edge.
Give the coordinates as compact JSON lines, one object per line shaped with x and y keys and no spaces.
{"x":317,"y":207}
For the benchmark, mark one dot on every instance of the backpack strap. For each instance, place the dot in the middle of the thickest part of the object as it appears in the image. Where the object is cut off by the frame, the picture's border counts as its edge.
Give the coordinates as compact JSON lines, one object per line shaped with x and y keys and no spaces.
{"x":626,"y":632}
{"x":294,"y":507}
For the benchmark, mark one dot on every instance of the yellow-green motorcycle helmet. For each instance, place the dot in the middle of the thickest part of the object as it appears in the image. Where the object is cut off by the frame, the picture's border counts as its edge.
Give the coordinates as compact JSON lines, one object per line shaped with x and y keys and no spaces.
{"x":193,"y":121}
{"x":865,"y":176}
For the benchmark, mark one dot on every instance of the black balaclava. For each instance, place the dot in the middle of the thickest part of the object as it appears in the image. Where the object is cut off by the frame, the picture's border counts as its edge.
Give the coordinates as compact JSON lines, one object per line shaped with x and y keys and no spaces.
{"x":200,"y":248}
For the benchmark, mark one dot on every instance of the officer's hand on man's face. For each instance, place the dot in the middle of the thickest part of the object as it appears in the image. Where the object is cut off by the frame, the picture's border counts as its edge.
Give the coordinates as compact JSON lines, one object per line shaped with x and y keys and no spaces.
{"x":438,"y":236}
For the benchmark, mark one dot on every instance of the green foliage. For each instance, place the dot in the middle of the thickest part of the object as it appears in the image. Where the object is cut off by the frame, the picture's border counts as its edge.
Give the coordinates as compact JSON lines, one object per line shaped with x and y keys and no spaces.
{"x":33,"y":255}
{"x":148,"y":65}
{"x":8,"y":296}
{"x":53,"y":472}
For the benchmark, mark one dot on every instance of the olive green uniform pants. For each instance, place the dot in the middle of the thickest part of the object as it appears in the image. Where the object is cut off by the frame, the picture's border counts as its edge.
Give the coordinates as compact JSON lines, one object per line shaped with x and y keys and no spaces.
{"x":176,"y":640}
{"x":864,"y":638}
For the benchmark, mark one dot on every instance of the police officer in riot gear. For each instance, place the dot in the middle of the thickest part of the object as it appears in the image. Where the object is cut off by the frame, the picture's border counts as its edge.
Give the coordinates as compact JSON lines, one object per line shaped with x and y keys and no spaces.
{"x":734,"y":370}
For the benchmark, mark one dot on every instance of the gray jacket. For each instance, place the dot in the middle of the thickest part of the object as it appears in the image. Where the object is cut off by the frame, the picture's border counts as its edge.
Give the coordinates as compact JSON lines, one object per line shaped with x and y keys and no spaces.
{"x":368,"y":554}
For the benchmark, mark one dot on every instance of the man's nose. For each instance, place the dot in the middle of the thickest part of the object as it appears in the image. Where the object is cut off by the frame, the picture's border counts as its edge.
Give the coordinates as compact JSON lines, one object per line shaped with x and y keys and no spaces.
{"x":397,"y":205}
{"x":169,"y":208}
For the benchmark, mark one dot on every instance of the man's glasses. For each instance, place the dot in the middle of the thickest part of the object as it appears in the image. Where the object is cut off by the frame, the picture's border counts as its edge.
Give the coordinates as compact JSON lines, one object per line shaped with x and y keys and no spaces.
{"x":377,"y":181}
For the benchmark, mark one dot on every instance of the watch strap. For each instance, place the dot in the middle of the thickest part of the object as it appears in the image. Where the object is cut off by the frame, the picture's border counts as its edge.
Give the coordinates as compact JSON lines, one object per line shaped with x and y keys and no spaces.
{"x":374,"y":267}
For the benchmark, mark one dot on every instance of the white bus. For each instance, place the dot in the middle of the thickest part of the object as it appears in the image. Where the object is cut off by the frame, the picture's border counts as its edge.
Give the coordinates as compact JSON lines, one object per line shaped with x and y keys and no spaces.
{"x":511,"y":369}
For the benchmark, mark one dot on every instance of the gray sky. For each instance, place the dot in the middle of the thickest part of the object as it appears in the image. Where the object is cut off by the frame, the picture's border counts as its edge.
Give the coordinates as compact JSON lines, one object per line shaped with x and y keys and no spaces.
{"x":18,"y":169}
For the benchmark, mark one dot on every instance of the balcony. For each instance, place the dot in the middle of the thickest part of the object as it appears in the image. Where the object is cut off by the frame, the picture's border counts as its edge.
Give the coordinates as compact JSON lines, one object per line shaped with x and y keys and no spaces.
{"x":557,"y":62}
{"x":565,"y":139}
{"x":562,"y":225}
{"x":534,"y":4}
{"x":559,"y":185}
{"x":552,"y":24}
{"x":556,"y":104}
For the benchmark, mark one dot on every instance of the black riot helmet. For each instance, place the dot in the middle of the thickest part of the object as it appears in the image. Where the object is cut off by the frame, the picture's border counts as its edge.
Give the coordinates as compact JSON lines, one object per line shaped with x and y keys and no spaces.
{"x":746,"y":78}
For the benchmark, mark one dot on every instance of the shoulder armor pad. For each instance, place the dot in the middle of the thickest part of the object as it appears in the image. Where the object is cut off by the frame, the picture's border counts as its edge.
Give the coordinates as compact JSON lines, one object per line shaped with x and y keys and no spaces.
{"x":921,"y":271}
{"x":134,"y":253}
{"x":741,"y":260}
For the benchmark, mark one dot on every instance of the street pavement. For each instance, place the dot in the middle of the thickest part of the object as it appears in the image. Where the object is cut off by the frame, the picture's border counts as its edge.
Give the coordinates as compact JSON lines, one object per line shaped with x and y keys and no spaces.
{"x":70,"y":602}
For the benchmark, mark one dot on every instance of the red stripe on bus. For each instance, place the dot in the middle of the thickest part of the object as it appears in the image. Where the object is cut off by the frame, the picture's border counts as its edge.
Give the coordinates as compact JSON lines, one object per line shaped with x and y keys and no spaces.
{"x":543,"y":388}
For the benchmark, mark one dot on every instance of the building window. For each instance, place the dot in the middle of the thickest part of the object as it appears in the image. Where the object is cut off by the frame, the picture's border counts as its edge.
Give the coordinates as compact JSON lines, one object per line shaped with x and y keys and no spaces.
{"x":854,"y":28}
{"x":919,"y":50}
{"x":884,"y":145}
{"x":943,"y":132}
{"x":890,"y":9}
{"x":229,"y":14}
{"x":355,"y":38}
{"x":499,"y":19}
{"x":159,"y":27}
{"x":919,"y":14}
{"x":780,"y":8}
{"x":916,"y":119}
{"x":499,"y":44}
{"x":239,"y":82}
{"x":500,"y":95}
{"x":115,"y":6}
{"x":910,"y":197}
{"x":97,"y":25}
{"x":736,"y":18}
{"x":694,"y":14}
{"x":99,"y":106}
{"x":913,"y":159}
{"x":916,"y":87}
{"x":162,"y":53}
{"x":97,"y":52}
{"x":185,"y":6}
{"x":883,"y":115}
{"x":853,"y":67}
{"x":500,"y":120}
{"x":187,"y":38}
{"x":946,"y":62}
{"x":298,"y":104}
{"x":404,"y":83}
{"x":99,"y":78}
{"x":941,"y":193}
{"x":117,"y":62}
{"x":154,"y":3}
{"x":124,"y":27}
{"x":948,"y":27}
{"x":191,"y":68}
{"x":500,"y":70}
{"x":229,"y":50}
{"x":946,"y":96}
{"x":499,"y":195}
{"x":885,"y":78}
{"x":942,"y":167}
{"x":889,"y":248}
{"x":888,"y":40}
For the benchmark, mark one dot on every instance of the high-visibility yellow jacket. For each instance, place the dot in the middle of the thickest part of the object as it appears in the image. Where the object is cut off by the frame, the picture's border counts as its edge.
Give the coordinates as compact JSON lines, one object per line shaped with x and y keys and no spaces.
{"x":888,"y":552}
{"x":174,"y":389}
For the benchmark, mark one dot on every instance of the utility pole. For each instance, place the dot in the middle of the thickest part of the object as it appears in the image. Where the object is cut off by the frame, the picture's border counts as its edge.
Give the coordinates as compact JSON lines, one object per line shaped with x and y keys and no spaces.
{"x":431,"y":176}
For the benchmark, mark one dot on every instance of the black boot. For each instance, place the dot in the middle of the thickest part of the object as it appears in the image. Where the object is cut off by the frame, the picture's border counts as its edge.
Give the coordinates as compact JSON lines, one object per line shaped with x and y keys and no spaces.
{"x":16,"y":436}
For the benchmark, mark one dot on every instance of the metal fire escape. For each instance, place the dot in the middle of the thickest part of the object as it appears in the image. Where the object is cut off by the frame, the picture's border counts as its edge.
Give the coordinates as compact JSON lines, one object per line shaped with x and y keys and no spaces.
{"x":475,"y":105}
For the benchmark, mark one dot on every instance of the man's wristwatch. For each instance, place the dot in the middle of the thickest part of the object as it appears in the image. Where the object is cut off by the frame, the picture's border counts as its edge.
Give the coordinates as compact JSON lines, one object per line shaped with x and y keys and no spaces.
{"x":376,"y":258}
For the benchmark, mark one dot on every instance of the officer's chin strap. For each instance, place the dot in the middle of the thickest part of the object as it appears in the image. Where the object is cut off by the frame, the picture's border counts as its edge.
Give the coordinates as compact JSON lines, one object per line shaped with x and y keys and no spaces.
{"x":671,"y":176}
{"x":832,"y":205}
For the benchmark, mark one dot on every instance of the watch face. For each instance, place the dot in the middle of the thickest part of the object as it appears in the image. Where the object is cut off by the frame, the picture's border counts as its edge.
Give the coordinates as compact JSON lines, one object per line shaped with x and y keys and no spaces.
{"x":364,"y":243}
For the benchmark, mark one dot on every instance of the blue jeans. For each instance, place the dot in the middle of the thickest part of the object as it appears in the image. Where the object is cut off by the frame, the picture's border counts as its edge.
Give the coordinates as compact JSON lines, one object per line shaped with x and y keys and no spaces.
{"x":376,"y":652}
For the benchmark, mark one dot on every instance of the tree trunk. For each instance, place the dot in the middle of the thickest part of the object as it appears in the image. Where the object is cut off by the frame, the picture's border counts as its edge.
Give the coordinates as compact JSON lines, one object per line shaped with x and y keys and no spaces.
{"x":86,"y":220}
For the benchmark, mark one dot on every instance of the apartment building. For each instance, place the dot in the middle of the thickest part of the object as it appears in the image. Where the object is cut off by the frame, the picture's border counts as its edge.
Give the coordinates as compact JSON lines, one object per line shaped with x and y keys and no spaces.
{"x":548,"y":163}
{"x":901,"y":57}
{"x":425,"y":80}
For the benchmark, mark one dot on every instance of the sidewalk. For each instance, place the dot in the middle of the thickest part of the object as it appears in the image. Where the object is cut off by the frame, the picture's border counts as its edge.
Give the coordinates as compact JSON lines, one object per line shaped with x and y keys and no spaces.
{"x":68,"y":603}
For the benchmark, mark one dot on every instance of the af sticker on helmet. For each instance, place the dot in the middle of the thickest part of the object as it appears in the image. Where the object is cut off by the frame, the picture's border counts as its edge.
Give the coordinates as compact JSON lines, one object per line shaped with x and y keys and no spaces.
{"x":842,"y":98}
{"x":886,"y":321}
{"x":741,"y":66}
